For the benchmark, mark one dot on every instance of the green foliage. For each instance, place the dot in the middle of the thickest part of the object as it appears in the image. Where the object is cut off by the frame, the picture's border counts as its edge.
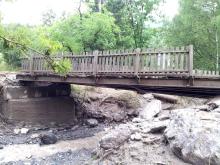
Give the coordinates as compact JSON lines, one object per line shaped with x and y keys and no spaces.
{"x":131,"y":17}
{"x":96,"y":31}
{"x":197,"y":23}
{"x":62,"y":67}
{"x":99,"y":32}
{"x":43,"y":41}
{"x":11,"y":52}
{"x":4,"y":66}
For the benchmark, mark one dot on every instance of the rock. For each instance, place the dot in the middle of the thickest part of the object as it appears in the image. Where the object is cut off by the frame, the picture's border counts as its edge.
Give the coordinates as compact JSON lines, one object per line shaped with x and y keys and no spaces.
{"x":24,"y":130}
{"x":16,"y":131}
{"x":164,"y":117}
{"x":148,"y":96}
{"x":214,"y":103}
{"x":151,"y":140}
{"x":48,"y":138}
{"x":167,"y":106}
{"x":115,"y":137}
{"x":137,"y":120}
{"x":136,"y":137}
{"x":194,"y":140}
{"x":158,"y":127}
{"x":217,"y":110}
{"x":34,"y":136}
{"x":208,"y":107}
{"x":151,"y":110}
{"x":160,"y":163}
{"x":29,"y":156}
{"x":92,"y":122}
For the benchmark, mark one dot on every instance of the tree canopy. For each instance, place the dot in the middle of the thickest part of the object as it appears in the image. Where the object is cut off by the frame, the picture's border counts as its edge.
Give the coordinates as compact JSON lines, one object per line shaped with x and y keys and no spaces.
{"x":197,"y":23}
{"x":118,"y":24}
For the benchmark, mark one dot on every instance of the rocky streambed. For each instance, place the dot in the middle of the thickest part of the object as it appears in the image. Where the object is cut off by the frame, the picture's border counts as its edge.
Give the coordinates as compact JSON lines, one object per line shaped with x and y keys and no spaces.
{"x":120,"y":127}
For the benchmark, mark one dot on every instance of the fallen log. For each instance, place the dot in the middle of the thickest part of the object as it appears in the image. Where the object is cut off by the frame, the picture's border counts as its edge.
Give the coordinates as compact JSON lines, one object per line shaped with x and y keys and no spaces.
{"x":166,"y":98}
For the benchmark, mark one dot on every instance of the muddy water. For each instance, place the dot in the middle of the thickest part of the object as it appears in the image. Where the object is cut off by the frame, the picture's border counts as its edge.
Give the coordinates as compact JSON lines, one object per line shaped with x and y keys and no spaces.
{"x":29,"y":151}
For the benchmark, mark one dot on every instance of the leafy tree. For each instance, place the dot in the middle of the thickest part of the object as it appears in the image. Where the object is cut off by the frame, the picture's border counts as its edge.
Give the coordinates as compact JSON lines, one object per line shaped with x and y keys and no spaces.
{"x":131,"y":17}
{"x":10,"y":51}
{"x":197,"y":23}
{"x":97,"y":31}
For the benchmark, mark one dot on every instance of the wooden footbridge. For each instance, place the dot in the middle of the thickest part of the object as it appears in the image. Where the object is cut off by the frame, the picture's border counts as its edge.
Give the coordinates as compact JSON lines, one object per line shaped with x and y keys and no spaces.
{"x":142,"y":69}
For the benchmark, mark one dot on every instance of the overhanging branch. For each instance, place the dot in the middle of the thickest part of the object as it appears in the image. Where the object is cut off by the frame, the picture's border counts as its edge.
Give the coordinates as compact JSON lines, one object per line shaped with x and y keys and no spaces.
{"x":49,"y":60}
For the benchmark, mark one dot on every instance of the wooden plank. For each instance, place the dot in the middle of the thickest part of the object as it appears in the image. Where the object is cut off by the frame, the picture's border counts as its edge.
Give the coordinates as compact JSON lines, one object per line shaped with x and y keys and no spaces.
{"x":31,"y":65}
{"x":137,"y":61}
{"x":176,"y":59}
{"x":190,"y":67}
{"x":95,"y":62}
{"x":113,"y":63}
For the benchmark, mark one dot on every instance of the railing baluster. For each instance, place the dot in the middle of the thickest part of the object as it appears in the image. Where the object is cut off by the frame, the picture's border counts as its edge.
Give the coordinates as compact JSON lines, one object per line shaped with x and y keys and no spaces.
{"x":137,"y":61}
{"x":95,"y":62}
{"x":190,"y":60}
{"x":31,"y":66}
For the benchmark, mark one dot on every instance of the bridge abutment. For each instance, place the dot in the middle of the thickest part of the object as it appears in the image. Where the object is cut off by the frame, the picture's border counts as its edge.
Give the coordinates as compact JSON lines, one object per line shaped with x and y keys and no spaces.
{"x":37,"y":104}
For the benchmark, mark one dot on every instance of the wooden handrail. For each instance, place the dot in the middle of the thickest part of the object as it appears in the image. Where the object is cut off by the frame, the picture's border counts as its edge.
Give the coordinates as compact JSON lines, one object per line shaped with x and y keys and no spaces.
{"x":128,"y":62}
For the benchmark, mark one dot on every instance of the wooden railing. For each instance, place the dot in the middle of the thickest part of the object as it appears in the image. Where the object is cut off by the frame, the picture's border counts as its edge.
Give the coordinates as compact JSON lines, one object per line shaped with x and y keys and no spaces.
{"x":138,"y":62}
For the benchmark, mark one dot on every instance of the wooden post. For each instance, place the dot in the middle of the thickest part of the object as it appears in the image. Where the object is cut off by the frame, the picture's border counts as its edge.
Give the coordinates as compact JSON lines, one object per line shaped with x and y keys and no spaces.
{"x":137,"y":61}
{"x":190,"y":65}
{"x":95,"y":62}
{"x":31,"y":67}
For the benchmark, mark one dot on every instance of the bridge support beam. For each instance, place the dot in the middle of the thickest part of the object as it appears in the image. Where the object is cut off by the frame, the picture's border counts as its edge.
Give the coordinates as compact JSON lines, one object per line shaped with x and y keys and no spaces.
{"x":37,"y":104}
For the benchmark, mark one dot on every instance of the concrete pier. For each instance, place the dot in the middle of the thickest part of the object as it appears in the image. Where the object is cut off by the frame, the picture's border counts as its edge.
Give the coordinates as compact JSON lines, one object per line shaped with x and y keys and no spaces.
{"x":37,"y":104}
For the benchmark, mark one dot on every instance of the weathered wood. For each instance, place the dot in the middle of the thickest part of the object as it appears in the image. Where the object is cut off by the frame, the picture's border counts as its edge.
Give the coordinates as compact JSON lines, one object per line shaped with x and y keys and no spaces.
{"x":175,"y":61}
{"x":31,"y":65}
{"x":166,"y":98}
{"x":190,"y":60}
{"x":95,"y":62}
{"x":137,"y":61}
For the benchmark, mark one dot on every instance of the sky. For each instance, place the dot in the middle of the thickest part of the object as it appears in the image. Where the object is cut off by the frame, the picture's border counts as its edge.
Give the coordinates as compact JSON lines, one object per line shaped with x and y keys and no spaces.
{"x":30,"y":11}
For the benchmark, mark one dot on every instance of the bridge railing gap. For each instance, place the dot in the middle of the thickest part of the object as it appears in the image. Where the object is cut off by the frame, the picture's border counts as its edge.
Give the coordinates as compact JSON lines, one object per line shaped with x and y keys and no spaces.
{"x":128,"y":62}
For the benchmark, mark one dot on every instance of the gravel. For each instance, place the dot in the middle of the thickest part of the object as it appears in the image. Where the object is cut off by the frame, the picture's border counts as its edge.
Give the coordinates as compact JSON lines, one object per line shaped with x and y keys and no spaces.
{"x":77,"y":157}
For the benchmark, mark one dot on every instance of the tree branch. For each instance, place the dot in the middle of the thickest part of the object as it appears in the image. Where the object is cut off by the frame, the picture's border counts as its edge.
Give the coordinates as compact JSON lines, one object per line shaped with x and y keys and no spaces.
{"x":49,"y":60}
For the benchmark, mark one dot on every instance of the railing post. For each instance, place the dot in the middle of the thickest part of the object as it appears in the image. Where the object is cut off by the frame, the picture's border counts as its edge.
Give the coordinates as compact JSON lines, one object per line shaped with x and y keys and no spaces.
{"x":190,"y":66}
{"x":95,"y":62}
{"x":31,"y":67}
{"x":137,"y":61}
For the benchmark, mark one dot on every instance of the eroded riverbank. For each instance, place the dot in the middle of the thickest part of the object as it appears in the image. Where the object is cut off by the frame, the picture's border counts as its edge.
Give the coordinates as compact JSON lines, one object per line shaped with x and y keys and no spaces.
{"x":120,"y":127}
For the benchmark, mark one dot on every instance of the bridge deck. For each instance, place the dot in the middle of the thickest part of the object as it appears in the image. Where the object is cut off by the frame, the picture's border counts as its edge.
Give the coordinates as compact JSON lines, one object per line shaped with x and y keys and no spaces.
{"x":146,"y":68}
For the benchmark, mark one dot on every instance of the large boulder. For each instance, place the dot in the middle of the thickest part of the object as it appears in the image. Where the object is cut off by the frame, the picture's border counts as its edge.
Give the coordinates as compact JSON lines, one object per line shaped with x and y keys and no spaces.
{"x":112,"y":105}
{"x":116,"y":137}
{"x":194,"y":136}
{"x":151,"y":110}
